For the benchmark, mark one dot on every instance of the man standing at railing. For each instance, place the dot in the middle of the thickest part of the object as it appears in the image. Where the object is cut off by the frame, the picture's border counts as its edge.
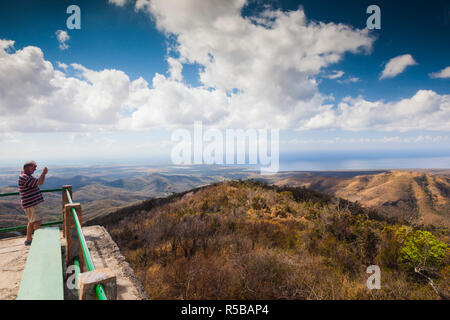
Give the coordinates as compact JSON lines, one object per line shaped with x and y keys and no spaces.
{"x":31,"y":197}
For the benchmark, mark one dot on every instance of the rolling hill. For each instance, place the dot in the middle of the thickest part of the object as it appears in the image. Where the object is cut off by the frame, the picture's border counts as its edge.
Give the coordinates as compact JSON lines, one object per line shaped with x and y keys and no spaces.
{"x":422,"y":196}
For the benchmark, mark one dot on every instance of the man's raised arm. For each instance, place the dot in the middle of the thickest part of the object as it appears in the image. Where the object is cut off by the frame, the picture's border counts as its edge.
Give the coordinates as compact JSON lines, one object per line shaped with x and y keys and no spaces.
{"x":42,"y":177}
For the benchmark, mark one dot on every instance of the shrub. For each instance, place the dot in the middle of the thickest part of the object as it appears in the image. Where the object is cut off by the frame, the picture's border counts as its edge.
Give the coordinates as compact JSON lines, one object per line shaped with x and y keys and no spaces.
{"x":421,"y":249}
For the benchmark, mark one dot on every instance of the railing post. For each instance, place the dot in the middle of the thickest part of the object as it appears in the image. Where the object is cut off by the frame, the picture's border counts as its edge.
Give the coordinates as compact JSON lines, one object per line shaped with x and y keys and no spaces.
{"x":64,"y":202}
{"x":87,"y":282}
{"x":73,"y":246}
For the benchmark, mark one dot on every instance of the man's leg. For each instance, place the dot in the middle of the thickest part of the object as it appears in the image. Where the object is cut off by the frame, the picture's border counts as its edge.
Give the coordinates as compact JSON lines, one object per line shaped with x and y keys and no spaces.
{"x":37,"y":224}
{"x":30,"y":229}
{"x":37,"y":217}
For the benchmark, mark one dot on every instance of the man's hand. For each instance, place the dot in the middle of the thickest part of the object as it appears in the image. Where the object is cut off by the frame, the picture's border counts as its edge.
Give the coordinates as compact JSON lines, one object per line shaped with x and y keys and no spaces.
{"x":42,"y":177}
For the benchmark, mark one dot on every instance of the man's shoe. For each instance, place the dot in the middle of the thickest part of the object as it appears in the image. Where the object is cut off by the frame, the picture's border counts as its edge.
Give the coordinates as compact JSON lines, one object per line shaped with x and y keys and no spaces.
{"x":28,"y":242}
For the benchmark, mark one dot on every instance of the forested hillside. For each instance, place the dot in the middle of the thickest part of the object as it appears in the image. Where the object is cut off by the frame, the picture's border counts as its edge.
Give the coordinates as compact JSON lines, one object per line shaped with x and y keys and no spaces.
{"x":249,"y":240}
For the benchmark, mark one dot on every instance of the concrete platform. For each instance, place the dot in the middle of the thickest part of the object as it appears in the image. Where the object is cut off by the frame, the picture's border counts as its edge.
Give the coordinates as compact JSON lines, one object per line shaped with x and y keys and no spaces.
{"x":104,"y":251}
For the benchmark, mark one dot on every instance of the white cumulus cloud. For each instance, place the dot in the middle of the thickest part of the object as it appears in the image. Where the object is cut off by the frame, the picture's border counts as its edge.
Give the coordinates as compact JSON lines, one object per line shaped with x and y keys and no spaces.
{"x":119,"y":3}
{"x":397,"y":65}
{"x":443,"y":74}
{"x":262,"y":67}
{"x":36,"y":97}
{"x":62,"y":37}
{"x":349,"y":80}
{"x":426,"y":110}
{"x":335,"y":75}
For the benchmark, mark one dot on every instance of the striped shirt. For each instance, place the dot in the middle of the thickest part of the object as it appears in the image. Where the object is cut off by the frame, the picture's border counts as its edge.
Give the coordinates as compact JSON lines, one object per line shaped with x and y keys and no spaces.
{"x":30,"y":194}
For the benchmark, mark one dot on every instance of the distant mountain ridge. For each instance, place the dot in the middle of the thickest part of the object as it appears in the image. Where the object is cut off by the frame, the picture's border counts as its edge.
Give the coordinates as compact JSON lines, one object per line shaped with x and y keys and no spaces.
{"x":407,"y":194}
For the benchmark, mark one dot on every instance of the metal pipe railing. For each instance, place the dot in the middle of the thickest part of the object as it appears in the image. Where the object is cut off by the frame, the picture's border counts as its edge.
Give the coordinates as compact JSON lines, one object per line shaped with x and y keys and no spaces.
{"x":24,"y":227}
{"x":7,"y":194}
{"x":87,"y":255}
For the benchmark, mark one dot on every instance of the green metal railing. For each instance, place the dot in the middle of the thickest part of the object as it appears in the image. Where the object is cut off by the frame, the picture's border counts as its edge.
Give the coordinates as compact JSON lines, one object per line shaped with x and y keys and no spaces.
{"x":17,"y":193}
{"x":24,"y":227}
{"x":87,"y":255}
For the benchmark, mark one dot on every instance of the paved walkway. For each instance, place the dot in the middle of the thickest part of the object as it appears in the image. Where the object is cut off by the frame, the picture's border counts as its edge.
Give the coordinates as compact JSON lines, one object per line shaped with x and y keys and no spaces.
{"x":104,"y":251}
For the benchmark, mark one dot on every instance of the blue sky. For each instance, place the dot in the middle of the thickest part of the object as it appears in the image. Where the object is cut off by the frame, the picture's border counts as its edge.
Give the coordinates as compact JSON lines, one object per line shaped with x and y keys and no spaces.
{"x":136,"y":71}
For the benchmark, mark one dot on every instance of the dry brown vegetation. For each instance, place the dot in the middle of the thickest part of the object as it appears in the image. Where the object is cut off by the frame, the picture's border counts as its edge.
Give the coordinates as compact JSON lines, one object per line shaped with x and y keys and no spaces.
{"x":249,"y":240}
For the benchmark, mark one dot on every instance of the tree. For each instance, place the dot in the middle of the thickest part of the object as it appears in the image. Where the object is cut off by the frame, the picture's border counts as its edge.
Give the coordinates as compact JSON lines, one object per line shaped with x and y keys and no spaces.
{"x":422,"y":252}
